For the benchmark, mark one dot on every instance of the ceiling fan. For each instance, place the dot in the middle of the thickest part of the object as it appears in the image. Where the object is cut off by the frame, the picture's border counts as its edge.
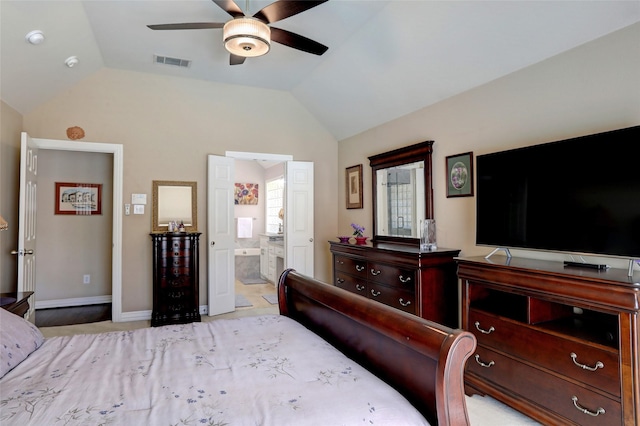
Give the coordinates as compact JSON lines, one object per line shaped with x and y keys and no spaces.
{"x":246,"y":36}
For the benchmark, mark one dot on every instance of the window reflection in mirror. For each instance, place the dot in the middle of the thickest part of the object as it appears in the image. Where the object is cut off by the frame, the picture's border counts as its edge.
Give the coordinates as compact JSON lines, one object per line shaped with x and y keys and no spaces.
{"x":401,"y":200}
{"x":401,"y":192}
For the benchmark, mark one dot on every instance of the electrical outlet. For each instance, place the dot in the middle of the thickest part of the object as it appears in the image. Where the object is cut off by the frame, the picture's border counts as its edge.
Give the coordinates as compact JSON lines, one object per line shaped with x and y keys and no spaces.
{"x":86,"y":279}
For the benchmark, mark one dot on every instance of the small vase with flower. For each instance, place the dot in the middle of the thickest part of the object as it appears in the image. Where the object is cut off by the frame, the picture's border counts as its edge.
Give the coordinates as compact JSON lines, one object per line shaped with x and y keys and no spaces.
{"x":357,"y":233}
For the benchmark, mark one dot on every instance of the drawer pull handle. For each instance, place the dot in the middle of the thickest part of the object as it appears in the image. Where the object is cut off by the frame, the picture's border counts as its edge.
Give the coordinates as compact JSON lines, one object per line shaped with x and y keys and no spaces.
{"x":339,"y":280}
{"x":491,"y":329}
{"x":359,"y":268}
{"x":403,"y":279}
{"x":482,"y":364}
{"x":403,"y":303}
{"x":599,"y":364}
{"x":374,"y":272}
{"x":375,"y":293}
{"x":360,"y":287}
{"x":340,"y":262}
{"x":599,"y":411}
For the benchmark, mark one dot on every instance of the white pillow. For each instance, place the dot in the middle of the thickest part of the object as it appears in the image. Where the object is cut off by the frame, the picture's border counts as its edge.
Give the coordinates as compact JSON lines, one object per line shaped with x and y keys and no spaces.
{"x":18,"y":338}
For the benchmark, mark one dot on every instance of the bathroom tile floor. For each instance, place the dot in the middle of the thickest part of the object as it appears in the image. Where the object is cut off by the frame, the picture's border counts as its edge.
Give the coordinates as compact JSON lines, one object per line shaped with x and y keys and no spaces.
{"x":254,"y":293}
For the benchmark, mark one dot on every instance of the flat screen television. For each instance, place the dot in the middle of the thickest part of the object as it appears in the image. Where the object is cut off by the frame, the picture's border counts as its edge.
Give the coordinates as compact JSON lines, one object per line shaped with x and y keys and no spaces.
{"x":579,"y":195}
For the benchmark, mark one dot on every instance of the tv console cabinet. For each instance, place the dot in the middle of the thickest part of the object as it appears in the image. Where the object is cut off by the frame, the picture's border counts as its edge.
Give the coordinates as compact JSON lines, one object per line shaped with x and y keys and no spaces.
{"x":401,"y":276}
{"x":558,"y":344}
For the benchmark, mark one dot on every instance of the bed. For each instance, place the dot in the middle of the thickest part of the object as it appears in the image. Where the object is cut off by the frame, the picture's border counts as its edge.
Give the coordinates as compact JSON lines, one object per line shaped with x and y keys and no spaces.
{"x":267,"y":370}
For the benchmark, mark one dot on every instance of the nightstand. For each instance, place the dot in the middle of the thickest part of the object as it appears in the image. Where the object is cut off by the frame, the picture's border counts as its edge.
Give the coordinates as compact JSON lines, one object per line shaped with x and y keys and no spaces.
{"x":17,"y":303}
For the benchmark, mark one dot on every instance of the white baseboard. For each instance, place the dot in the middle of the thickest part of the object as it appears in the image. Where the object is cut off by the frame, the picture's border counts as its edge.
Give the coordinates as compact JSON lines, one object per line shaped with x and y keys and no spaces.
{"x":135,"y":316}
{"x":77,"y":301}
{"x":146,"y":315}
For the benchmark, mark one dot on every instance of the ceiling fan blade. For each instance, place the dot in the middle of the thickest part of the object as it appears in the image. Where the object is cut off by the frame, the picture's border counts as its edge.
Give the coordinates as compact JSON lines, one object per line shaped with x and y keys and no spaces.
{"x":236,"y":60}
{"x":230,"y":7}
{"x":283,"y":9}
{"x":297,"y":41}
{"x":187,"y":26}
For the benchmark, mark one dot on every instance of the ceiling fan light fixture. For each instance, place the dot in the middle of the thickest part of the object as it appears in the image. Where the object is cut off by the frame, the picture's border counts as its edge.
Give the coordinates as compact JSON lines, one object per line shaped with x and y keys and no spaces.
{"x":248,"y":37}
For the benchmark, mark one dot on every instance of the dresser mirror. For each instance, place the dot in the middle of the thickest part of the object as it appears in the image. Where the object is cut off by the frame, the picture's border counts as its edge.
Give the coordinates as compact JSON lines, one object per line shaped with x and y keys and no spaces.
{"x":174,"y":201}
{"x":402,"y":193}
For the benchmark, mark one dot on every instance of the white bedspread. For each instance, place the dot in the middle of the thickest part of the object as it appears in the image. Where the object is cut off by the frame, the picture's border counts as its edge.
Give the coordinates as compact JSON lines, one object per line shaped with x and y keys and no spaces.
{"x":266,"y":370}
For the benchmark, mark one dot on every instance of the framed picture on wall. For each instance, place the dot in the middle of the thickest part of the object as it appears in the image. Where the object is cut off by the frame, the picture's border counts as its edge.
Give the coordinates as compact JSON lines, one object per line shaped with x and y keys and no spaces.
{"x":354,"y":187}
{"x":460,"y":175}
{"x":84,"y":199}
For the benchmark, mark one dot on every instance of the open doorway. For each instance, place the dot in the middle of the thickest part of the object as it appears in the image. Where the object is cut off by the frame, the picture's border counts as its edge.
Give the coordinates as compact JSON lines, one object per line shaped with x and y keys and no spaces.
{"x":27,"y":237}
{"x":298,"y":244}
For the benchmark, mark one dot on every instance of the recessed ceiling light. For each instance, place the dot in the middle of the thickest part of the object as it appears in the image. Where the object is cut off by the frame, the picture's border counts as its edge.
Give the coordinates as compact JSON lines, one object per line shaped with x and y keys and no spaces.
{"x":71,"y":61}
{"x":35,"y":37}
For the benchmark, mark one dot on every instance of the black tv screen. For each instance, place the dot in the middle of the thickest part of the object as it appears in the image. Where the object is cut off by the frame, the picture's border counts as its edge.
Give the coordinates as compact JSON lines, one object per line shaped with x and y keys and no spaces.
{"x":578,"y":195}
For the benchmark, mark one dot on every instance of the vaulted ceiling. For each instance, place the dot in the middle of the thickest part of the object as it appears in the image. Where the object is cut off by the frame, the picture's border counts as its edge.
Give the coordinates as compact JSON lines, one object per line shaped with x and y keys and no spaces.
{"x":385,"y":58}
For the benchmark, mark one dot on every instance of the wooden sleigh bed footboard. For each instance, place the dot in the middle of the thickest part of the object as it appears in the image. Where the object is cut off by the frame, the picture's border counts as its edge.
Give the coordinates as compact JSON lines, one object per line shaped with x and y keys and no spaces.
{"x":421,"y":359}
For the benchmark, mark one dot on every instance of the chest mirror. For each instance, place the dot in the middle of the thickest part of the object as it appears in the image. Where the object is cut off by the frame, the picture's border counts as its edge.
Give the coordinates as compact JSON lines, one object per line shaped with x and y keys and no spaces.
{"x":174,"y":201}
{"x":402,"y":192}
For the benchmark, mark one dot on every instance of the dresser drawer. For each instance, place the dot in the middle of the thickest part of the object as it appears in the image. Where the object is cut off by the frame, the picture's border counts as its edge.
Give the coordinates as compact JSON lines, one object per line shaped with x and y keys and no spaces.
{"x":353,"y":284}
{"x":563,"y":355}
{"x":174,"y":281}
{"x":392,"y":276}
{"x":350,"y":265}
{"x":171,"y":262}
{"x":393,"y":296}
{"x":546,"y":390}
{"x":175,"y":252}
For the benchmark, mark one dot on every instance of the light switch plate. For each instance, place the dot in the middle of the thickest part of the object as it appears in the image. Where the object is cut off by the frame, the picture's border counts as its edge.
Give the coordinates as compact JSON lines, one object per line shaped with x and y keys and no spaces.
{"x":127,"y":209}
{"x":138,"y":209}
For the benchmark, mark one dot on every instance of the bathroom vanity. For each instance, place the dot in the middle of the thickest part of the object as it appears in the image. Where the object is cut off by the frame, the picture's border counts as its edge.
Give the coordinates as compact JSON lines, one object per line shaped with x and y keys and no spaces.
{"x":271,"y":256}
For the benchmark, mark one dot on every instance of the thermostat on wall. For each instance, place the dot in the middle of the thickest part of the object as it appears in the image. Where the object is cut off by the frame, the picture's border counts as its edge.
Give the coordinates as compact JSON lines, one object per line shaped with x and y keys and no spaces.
{"x":138,"y":198}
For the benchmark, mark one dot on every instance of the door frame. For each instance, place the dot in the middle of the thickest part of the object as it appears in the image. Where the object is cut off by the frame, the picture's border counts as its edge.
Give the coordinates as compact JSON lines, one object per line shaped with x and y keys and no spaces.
{"x":118,"y":166}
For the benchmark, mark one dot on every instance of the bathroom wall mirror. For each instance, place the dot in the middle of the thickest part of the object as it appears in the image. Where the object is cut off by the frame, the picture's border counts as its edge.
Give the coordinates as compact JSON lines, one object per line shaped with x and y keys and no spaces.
{"x":174,"y":200}
{"x":402,"y":192}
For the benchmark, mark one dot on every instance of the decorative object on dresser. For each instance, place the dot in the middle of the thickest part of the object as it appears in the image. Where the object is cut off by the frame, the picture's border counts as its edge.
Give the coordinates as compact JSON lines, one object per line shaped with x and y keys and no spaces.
{"x":353,"y":186}
{"x":175,"y":278}
{"x":559,"y":344}
{"x":402,"y":193}
{"x":460,"y":175}
{"x":401,"y":276}
{"x":17,"y":303}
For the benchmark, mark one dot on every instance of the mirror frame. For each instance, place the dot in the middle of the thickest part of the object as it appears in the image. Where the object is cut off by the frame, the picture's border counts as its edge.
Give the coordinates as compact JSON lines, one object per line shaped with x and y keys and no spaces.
{"x":409,"y":154}
{"x":155,"y":226}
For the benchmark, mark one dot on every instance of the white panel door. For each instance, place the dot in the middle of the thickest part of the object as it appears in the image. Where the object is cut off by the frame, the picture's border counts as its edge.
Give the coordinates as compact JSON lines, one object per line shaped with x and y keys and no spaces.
{"x":220,"y":234}
{"x":27,"y":220}
{"x":298,"y":218}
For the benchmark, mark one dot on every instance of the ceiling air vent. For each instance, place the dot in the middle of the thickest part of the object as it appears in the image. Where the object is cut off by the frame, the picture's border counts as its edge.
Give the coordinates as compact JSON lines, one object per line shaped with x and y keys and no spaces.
{"x":184,"y":63}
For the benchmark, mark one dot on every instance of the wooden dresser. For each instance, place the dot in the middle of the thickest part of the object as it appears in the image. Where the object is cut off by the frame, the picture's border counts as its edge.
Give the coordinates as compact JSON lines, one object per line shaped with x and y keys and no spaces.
{"x":175,"y":278}
{"x":399,"y":275}
{"x":558,"y":344}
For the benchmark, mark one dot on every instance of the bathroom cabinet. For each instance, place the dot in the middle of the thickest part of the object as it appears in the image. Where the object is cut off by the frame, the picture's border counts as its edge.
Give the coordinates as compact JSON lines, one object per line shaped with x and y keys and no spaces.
{"x":271,"y":256}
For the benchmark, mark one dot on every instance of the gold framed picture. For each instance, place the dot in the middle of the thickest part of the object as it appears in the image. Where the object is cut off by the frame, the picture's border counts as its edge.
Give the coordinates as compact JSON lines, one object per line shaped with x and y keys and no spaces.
{"x":353,"y":187}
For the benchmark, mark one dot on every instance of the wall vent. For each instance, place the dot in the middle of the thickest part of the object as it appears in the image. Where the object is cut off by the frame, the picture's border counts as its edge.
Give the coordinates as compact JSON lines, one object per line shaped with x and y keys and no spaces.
{"x":184,"y":63}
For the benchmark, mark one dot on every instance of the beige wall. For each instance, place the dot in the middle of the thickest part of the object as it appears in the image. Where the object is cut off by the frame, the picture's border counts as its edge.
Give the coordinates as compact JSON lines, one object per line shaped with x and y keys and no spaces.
{"x":71,"y":246}
{"x":167,"y":126}
{"x":11,"y":126}
{"x":593,"y":88}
